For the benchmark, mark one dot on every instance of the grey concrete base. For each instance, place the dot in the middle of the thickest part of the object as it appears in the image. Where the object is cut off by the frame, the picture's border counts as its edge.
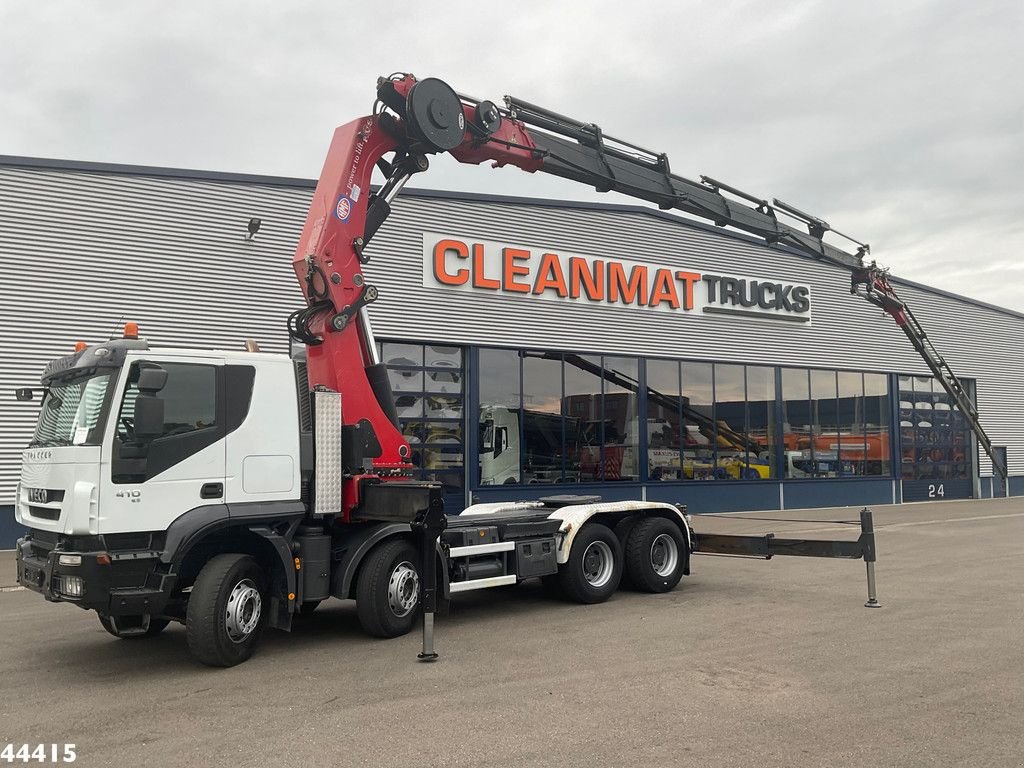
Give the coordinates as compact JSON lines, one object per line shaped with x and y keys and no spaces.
{"x":746,"y":663}
{"x":8,"y":577}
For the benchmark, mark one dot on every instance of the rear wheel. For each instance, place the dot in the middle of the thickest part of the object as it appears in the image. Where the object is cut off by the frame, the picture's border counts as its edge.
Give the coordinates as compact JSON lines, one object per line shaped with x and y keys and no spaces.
{"x":594,"y":568}
{"x":133,"y":627}
{"x":655,"y":555}
{"x":388,"y":589}
{"x":225,"y":614}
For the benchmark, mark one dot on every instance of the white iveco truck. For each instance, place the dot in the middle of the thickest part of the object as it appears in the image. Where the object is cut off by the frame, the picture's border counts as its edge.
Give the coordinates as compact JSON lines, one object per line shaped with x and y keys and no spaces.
{"x":230,"y":491}
{"x":173,"y":485}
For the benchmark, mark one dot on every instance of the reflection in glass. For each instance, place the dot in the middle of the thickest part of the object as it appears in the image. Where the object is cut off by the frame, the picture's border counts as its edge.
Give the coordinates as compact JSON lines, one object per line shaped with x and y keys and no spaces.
{"x":797,"y":423}
{"x":761,"y":421}
{"x":664,"y":421}
{"x":700,"y":434}
{"x":584,"y":425}
{"x":876,"y":423}
{"x":430,"y":422}
{"x":541,"y":426}
{"x":500,"y":401}
{"x":934,"y":437}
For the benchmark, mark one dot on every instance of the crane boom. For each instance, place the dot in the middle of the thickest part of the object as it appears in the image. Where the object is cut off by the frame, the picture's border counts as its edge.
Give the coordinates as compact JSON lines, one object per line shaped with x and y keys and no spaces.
{"x":422,"y":117}
{"x":873,"y":284}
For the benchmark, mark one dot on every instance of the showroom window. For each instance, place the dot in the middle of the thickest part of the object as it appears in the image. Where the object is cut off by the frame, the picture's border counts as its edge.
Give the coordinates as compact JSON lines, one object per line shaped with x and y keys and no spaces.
{"x":573,"y":419}
{"x":935,"y":439}
{"x":710,"y":421}
{"x":427,"y":382}
{"x":835,"y":423}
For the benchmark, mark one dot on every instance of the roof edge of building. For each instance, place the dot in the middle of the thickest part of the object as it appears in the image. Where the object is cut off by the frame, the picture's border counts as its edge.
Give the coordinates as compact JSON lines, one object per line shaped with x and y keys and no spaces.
{"x":86,"y":166}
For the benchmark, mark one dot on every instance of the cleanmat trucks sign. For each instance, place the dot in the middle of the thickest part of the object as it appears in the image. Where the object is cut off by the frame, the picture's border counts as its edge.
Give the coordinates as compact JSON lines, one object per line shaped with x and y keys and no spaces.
{"x":466,"y":264}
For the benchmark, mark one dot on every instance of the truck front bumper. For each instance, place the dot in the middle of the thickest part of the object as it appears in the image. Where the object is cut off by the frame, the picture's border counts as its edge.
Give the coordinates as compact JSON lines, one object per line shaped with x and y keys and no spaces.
{"x":93,"y":579}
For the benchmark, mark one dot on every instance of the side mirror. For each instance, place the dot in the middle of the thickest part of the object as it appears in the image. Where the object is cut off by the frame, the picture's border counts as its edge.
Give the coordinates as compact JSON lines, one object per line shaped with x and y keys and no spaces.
{"x":24,"y":394}
{"x":152,"y":379}
{"x":148,"y":418}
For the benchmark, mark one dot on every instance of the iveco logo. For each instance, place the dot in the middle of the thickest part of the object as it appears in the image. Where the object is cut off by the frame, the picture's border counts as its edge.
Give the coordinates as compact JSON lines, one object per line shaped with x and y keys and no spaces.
{"x":38,"y":455}
{"x":37,"y":495}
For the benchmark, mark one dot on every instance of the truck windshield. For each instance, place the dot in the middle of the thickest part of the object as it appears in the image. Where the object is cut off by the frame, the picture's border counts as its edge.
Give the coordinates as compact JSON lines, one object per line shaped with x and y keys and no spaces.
{"x":72,"y":411}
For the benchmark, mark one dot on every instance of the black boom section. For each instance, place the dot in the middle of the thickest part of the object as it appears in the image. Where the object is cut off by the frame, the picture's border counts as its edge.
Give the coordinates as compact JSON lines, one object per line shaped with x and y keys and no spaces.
{"x":610,"y":170}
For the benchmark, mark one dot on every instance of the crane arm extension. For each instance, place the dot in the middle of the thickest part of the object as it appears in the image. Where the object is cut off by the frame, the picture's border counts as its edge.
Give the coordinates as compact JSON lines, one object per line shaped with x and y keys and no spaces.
{"x":427,"y":117}
{"x":872,"y":284}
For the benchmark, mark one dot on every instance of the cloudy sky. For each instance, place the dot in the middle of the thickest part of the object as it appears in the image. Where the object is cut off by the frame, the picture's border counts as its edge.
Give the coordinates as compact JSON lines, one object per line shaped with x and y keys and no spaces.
{"x":900,"y":123}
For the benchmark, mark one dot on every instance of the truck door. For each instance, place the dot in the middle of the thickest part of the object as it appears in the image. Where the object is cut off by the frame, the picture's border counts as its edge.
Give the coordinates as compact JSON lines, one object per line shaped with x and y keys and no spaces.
{"x":161,"y":466}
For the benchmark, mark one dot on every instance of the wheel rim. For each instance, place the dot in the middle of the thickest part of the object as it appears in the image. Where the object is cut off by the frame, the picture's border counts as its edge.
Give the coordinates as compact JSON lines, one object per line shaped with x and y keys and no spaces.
{"x":243,"y":610}
{"x":598,"y":563}
{"x":403,"y":589}
{"x":664,"y":555}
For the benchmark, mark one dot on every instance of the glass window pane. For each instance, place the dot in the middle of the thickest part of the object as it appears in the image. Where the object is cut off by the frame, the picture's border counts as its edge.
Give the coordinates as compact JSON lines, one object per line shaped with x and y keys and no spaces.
{"x":584,"y":425}
{"x":731,"y":423}
{"x":402,"y":354}
{"x":797,"y":423}
{"x":541,"y":427}
{"x":761,"y":420}
{"x":852,"y":443}
{"x":620,"y":459}
{"x":443,"y":357}
{"x":825,"y":429}
{"x":698,"y":420}
{"x":499,"y":378}
{"x":405,"y":380}
{"x":664,"y":420}
{"x":430,"y":422}
{"x":499,"y":417}
{"x":876,"y":423}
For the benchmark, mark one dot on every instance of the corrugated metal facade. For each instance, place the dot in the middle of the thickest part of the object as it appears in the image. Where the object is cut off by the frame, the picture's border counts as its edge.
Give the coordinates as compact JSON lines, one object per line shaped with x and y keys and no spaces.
{"x":82,"y":247}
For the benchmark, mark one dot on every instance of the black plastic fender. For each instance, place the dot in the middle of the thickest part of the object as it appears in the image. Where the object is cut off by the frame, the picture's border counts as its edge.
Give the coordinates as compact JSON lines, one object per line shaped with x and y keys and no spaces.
{"x":360,"y":541}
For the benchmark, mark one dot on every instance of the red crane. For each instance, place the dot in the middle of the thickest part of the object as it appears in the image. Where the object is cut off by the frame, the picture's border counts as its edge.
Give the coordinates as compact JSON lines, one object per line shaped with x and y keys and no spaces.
{"x":416,"y":118}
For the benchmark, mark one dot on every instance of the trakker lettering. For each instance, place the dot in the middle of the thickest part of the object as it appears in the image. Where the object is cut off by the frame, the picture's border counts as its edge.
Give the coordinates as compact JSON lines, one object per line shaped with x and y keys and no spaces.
{"x":466,"y":264}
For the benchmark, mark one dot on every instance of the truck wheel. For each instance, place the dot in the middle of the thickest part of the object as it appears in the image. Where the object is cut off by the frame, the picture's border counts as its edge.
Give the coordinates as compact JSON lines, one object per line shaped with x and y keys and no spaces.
{"x":388,"y":589}
{"x":225,"y":613}
{"x":156,"y":626}
{"x":655,"y":555}
{"x":594,"y":568}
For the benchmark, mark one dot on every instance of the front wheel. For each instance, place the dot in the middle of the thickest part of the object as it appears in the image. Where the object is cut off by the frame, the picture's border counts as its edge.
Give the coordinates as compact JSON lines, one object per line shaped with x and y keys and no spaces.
{"x":594,"y":569}
{"x":388,"y":589}
{"x":225,"y":614}
{"x":655,"y":555}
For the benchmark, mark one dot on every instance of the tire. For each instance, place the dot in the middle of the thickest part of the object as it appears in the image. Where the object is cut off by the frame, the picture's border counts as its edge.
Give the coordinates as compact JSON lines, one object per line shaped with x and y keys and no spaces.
{"x":226,"y":610}
{"x":622,"y":530}
{"x":655,"y":555}
{"x":387,"y":590}
{"x":594,"y":569}
{"x":156,"y":626}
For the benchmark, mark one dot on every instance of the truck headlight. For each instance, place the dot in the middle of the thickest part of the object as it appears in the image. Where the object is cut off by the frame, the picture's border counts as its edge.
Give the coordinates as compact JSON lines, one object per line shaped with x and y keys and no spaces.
{"x":71,"y":586}
{"x":70,"y":560}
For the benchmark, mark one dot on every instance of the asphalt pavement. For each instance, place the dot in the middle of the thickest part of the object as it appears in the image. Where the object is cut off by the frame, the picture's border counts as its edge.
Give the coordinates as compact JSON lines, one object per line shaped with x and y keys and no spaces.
{"x":746,"y":663}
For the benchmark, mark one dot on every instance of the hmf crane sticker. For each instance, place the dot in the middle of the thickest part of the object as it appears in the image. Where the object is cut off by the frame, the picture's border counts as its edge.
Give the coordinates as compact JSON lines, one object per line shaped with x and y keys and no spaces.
{"x":343,"y":209}
{"x":482,"y":266}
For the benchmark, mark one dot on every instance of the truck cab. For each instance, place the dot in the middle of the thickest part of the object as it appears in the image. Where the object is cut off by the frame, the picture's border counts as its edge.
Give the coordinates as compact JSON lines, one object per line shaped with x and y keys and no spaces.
{"x":137,"y":450}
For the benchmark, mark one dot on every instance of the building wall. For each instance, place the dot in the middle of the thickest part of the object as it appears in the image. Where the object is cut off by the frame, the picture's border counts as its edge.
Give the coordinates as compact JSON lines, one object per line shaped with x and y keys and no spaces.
{"x":83,"y":247}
